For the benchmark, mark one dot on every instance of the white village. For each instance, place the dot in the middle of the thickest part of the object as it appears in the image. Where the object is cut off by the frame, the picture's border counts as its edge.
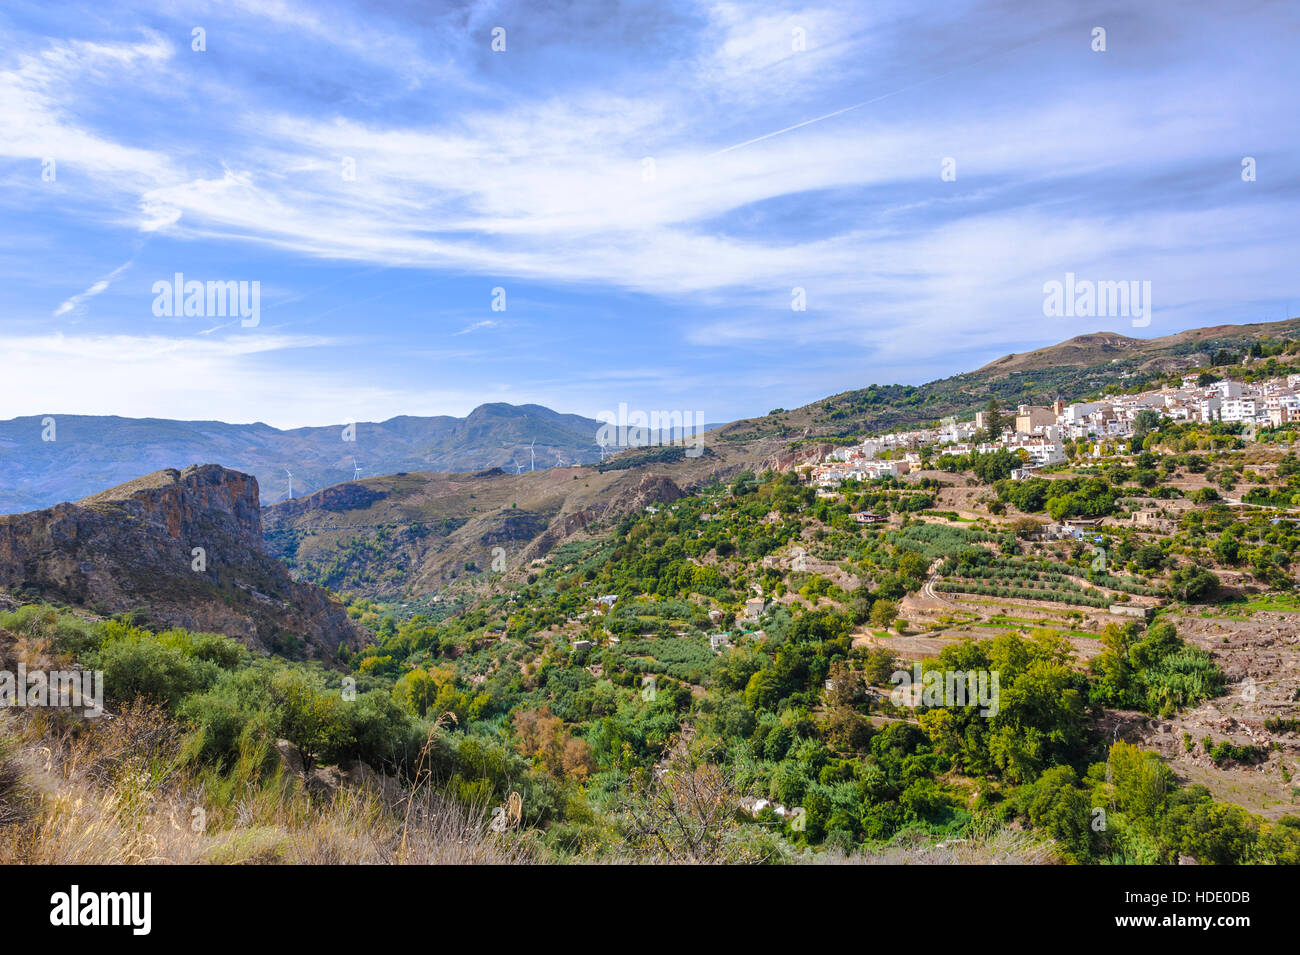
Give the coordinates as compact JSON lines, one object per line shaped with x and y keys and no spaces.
{"x":1037,"y":433}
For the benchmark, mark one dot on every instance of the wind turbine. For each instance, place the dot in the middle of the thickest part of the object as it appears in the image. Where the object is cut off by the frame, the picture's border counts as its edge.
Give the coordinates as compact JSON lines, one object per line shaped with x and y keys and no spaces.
{"x":518,"y":467}
{"x":532,"y":456}
{"x":356,"y":469}
{"x":290,"y":473}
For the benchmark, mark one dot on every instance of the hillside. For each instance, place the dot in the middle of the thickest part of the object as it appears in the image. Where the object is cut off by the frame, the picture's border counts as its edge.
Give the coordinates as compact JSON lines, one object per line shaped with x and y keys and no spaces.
{"x":1072,"y":369}
{"x":88,"y":453}
{"x":699,"y":659}
{"x":176,"y":549}
{"x":1168,"y":353}
{"x":409,"y":536}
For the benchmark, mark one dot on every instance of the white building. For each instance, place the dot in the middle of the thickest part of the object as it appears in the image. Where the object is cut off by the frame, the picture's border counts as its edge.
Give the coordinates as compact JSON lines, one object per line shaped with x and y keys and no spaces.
{"x":1079,"y":412}
{"x":1240,"y":409}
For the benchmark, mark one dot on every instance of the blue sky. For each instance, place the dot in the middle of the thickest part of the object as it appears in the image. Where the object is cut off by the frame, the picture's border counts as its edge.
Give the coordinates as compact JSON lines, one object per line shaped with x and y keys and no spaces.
{"x":524,"y":169}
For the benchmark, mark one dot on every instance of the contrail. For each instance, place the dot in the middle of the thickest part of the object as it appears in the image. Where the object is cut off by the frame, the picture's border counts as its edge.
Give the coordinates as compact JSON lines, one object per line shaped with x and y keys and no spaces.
{"x":806,"y":122}
{"x":100,"y":286}
{"x":876,"y":99}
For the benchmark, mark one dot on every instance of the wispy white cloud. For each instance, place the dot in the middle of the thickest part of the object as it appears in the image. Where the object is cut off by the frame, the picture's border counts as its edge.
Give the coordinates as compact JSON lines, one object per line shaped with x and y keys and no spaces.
{"x":486,"y":323}
{"x":40,"y":120}
{"x":552,"y":192}
{"x":624,"y":177}
{"x":79,"y":300}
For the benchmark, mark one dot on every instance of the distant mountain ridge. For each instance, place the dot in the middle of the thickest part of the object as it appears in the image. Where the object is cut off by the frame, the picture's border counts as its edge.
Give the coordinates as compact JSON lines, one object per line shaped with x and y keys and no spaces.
{"x":89,"y":453}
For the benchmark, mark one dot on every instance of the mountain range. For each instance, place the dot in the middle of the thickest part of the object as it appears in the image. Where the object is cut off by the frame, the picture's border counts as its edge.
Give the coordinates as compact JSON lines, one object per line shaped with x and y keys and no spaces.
{"x":444,"y":511}
{"x":49,"y":459}
{"x":404,"y":537}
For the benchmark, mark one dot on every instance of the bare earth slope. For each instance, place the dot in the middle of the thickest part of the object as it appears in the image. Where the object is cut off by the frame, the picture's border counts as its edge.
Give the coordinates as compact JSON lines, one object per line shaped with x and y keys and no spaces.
{"x":406,"y":536}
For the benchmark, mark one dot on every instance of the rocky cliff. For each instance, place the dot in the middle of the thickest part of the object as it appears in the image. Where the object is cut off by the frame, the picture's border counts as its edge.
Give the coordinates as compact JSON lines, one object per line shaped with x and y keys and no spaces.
{"x":182,"y":548}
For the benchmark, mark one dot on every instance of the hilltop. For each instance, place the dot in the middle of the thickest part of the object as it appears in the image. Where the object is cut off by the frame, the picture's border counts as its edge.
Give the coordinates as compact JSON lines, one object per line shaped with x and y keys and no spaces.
{"x":175,"y":548}
{"x":1169,"y":353}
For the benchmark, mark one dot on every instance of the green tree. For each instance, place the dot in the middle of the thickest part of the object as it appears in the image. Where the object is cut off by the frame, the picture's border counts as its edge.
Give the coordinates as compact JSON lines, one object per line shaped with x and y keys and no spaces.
{"x":994,"y":419}
{"x":763,"y":691}
{"x":883,"y":613}
{"x":310,"y":717}
{"x":1146,"y":421}
{"x":1192,"y":584}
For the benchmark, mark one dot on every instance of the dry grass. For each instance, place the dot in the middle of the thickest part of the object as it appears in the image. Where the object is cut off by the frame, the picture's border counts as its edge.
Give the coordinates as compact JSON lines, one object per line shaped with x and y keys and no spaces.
{"x":1001,"y":847}
{"x":15,"y":793}
{"x":123,"y":792}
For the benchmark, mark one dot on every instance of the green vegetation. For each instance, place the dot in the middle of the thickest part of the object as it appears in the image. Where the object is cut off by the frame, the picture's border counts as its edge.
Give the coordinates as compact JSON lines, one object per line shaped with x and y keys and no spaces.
{"x":1155,"y":671}
{"x":569,"y":686}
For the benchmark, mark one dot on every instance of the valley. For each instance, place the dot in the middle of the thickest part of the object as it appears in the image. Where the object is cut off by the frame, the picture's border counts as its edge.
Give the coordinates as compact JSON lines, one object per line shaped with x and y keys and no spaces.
{"x":578,"y":653}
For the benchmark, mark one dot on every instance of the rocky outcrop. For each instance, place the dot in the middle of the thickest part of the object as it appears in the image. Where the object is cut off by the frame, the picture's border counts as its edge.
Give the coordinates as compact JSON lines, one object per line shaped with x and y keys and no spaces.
{"x":181,"y":548}
{"x":653,"y":489}
{"x":339,"y":498}
{"x":201,"y":501}
{"x":559,"y":531}
{"x":513,"y":526}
